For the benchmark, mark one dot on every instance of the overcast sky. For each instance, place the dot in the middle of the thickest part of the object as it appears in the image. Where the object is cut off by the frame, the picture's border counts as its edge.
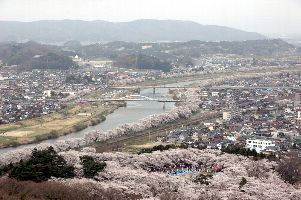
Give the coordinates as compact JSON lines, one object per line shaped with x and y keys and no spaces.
{"x":264,"y":16}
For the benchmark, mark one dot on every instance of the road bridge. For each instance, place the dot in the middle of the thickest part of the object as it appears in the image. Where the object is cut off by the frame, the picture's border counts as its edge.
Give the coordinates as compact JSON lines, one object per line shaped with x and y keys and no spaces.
{"x":123,"y":99}
{"x":133,"y":98}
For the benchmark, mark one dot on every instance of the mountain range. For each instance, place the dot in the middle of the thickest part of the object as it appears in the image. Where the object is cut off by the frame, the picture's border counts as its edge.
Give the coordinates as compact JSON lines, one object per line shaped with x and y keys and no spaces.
{"x":61,"y":31}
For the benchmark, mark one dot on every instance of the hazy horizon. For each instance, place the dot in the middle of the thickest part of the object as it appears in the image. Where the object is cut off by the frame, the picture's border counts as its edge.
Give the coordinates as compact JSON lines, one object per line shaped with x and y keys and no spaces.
{"x":269,"y":17}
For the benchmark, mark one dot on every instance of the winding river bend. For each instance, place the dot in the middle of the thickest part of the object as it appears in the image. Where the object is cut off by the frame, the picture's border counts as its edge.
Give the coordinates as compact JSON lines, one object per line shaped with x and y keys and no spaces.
{"x":132,"y":112}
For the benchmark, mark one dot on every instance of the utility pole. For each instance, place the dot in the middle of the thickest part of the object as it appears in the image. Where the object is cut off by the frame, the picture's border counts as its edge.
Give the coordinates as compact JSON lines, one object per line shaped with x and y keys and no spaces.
{"x":149,"y":130}
{"x":136,"y":62}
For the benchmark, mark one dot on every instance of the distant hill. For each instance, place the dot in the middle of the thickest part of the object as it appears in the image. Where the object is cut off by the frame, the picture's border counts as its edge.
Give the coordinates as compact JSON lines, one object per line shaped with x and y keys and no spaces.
{"x":193,"y":48}
{"x":61,"y":31}
{"x":159,"y":56}
{"x":250,"y":47}
{"x":32,"y":55}
{"x":162,"y":55}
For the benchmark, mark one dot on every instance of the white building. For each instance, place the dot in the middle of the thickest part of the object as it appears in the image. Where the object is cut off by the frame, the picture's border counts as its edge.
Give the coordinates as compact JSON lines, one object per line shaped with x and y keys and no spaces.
{"x":204,"y":94}
{"x":47,"y":93}
{"x":259,"y":144}
{"x":71,"y":93}
{"x":215,"y":94}
{"x":227,"y":116}
{"x":299,"y":114}
{"x":195,"y":137}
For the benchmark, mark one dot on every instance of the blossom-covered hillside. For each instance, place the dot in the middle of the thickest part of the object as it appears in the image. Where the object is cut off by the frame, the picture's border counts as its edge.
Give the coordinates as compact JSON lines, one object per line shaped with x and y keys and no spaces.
{"x":170,"y":174}
{"x":146,"y":176}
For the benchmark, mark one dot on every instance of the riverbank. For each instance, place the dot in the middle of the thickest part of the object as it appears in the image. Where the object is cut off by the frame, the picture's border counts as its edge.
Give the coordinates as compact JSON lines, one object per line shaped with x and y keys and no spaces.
{"x":76,"y":117}
{"x":73,"y":119}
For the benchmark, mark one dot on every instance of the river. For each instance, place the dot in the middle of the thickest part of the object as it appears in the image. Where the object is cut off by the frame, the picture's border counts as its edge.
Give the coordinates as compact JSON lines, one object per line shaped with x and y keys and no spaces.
{"x":131,"y":113}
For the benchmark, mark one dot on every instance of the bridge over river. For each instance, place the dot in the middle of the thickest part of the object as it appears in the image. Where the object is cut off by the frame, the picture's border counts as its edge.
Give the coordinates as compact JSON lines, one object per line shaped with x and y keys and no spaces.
{"x":133,"y":98}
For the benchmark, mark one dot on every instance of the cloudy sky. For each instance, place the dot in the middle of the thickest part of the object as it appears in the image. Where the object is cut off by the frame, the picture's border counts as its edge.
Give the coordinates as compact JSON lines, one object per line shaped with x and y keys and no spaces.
{"x":264,"y":16}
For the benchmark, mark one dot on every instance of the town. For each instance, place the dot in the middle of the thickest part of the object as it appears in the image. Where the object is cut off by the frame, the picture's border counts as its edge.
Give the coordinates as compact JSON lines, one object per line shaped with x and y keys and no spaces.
{"x":261,"y":114}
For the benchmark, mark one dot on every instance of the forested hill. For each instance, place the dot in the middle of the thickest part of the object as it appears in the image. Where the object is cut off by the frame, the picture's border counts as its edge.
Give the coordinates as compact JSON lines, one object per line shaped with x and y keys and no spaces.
{"x":193,"y":48}
{"x":61,"y":31}
{"x":162,"y":55}
{"x":32,"y":55}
